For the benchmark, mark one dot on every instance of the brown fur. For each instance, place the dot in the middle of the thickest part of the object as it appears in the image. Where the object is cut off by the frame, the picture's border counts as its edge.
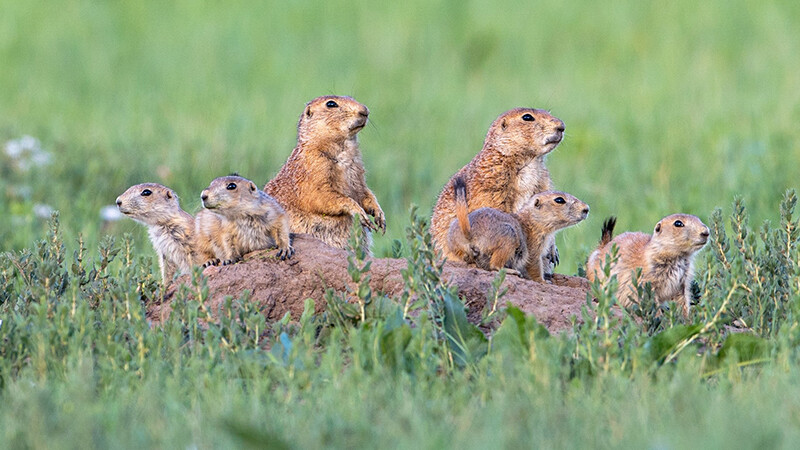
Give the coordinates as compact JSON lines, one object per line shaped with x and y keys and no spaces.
{"x":322,"y":185}
{"x":665,"y":258}
{"x":515,"y":241}
{"x":541,"y":218}
{"x":506,"y":172}
{"x":486,"y":237}
{"x":171,"y":229}
{"x":238,"y":219}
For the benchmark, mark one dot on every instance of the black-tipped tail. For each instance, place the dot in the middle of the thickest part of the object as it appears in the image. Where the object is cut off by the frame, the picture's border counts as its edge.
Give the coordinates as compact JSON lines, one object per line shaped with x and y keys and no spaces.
{"x":462,"y":212}
{"x":608,"y":230}
{"x":460,"y":187}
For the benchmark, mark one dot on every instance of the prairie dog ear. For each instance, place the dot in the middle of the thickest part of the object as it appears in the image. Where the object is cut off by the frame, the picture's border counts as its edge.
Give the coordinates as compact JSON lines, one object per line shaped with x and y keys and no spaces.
{"x":252,"y":187}
{"x":658,"y":227}
{"x":168,"y":194}
{"x":308,"y":111}
{"x":537,"y":203}
{"x":503,"y":124}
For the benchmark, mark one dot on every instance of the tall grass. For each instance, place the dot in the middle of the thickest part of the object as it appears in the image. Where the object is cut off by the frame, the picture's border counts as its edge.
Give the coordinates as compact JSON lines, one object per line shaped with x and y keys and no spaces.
{"x":676,"y":107}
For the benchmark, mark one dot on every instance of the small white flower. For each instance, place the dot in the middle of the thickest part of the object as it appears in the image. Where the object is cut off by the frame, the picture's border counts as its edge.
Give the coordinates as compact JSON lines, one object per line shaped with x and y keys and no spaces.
{"x":110,"y":213}
{"x":42,"y":211}
{"x":40,"y":158}
{"x":13,"y":149}
{"x":29,"y":143}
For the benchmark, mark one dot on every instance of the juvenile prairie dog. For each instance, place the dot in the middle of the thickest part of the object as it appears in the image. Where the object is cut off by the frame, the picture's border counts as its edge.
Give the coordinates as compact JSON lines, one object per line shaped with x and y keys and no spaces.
{"x":505,"y":173}
{"x":665,"y":257}
{"x":492,"y":239}
{"x":322,"y":185}
{"x":486,"y":237}
{"x":171,"y":229}
{"x":238,"y":219}
{"x":541,"y":218}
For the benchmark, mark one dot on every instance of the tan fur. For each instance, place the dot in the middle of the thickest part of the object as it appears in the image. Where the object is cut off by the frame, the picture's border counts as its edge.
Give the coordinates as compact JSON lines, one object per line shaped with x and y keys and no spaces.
{"x":541,"y":218}
{"x":171,"y":229}
{"x":322,"y":185}
{"x":665,"y":258}
{"x":515,"y":241}
{"x":496,"y":240}
{"x":505,"y":173}
{"x":238,"y":219}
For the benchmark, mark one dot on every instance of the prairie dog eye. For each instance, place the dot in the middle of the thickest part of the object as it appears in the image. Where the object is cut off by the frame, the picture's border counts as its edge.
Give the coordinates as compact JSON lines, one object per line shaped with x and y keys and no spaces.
{"x":528,"y":118}
{"x":560,"y":200}
{"x":230,"y":186}
{"x":678,"y":223}
{"x":146,"y":192}
{"x":332,"y":104}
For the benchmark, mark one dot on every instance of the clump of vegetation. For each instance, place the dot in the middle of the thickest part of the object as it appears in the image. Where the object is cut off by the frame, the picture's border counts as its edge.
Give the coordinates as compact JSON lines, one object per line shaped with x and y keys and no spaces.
{"x":76,"y":343}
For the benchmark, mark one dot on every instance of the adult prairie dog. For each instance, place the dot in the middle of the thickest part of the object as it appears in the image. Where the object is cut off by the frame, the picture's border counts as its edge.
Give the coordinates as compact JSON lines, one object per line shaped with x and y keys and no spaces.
{"x":171,"y":229}
{"x":238,"y":219}
{"x":505,"y":173}
{"x":322,"y":184}
{"x":665,"y":258}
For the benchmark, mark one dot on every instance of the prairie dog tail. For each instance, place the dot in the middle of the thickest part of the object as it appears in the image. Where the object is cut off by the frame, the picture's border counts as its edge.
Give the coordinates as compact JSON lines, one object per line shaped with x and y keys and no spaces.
{"x":462,"y":213}
{"x":608,"y":230}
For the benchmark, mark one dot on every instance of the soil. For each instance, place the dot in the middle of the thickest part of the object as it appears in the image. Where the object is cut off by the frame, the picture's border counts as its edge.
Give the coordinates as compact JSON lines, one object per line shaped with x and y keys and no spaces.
{"x":281,"y":286}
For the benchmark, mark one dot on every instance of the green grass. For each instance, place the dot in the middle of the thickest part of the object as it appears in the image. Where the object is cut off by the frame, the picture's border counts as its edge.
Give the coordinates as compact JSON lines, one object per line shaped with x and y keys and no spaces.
{"x":669,"y":107}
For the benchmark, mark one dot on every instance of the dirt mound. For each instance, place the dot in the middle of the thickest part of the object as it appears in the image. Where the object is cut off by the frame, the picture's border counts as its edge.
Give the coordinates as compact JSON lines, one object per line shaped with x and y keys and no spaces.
{"x":281,"y":286}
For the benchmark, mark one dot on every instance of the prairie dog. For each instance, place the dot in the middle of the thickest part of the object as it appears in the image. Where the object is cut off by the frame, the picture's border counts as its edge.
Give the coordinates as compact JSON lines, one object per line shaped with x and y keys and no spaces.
{"x":322,"y":184}
{"x":665,"y":257}
{"x":541,"y":218}
{"x":171,"y":229}
{"x":492,"y":239}
{"x":506,"y":172}
{"x":486,"y":237}
{"x":239,"y":218}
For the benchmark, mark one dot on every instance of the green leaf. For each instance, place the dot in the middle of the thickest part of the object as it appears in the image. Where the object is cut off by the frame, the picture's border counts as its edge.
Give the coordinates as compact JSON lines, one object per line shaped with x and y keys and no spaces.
{"x":467,"y":342}
{"x":514,"y":331}
{"x":660,"y":345}
{"x":746,"y":347}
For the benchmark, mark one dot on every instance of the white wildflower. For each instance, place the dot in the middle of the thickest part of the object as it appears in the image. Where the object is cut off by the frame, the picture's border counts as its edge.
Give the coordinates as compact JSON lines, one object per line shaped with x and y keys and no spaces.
{"x":30,"y":143}
{"x":42,"y":211}
{"x":40,"y":158}
{"x":26,"y":152}
{"x":13,"y":149}
{"x":110,"y":213}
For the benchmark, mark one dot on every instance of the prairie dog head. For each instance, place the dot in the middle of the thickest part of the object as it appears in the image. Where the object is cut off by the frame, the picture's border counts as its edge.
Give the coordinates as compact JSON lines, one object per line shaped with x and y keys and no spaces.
{"x":554,"y":210}
{"x":149,"y":203}
{"x":332,"y":117}
{"x":231,"y":196}
{"x":680,"y":234}
{"x":528,"y":131}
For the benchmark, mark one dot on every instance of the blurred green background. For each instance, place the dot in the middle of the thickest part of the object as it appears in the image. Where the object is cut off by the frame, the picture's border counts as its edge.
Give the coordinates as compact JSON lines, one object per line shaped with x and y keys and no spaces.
{"x":669,"y":107}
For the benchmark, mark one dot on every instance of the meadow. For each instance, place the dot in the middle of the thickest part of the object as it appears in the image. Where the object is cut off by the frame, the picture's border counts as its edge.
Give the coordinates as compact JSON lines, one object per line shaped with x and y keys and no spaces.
{"x":671,"y":107}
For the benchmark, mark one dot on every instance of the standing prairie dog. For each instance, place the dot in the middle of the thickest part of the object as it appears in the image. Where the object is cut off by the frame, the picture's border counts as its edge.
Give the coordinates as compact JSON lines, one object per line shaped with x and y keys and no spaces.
{"x":506,"y":172}
{"x":665,"y":258}
{"x":322,"y":185}
{"x":171,"y":229}
{"x":238,"y":219}
{"x":492,"y":239}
